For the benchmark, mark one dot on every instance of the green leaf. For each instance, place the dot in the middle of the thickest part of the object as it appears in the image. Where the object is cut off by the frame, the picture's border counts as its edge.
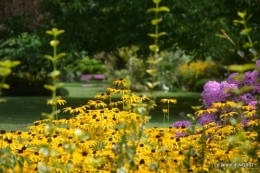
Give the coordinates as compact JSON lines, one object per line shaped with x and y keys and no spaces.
{"x":152,"y":72}
{"x":156,"y":36}
{"x":241,"y":14}
{"x":241,"y":68}
{"x":54,"y":43}
{"x":165,"y":9}
{"x":239,"y":21}
{"x":221,"y":35}
{"x":54,"y":73}
{"x":158,"y":60}
{"x":161,"y":34}
{"x":49,"y":57}
{"x":50,"y":87}
{"x":154,"y":48}
{"x":49,"y":32}
{"x":156,"y":21}
{"x":156,"y":1}
{"x":247,"y":45}
{"x":9,"y":64}
{"x":152,"y":85}
{"x":4,"y":71}
{"x":151,"y":10}
{"x":152,"y":35}
{"x":14,"y":64}
{"x":5,"y":86}
{"x":55,"y":32}
{"x":60,"y":55}
{"x":245,"y":31}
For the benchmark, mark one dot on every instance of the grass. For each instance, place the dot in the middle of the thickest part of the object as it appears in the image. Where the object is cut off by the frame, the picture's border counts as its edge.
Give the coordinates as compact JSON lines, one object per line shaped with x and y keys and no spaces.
{"x":20,"y":112}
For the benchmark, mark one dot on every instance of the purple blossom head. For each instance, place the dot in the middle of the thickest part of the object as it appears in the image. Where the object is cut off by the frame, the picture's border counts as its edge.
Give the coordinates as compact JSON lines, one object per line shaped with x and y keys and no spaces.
{"x":231,"y":79}
{"x":216,"y":92}
{"x":206,"y":118}
{"x":245,"y":122}
{"x":211,"y":93}
{"x":256,"y":88}
{"x":253,"y":103}
{"x":224,"y":86}
{"x":181,"y":124}
{"x":257,"y":64}
{"x":246,"y":98}
{"x":250,"y":78}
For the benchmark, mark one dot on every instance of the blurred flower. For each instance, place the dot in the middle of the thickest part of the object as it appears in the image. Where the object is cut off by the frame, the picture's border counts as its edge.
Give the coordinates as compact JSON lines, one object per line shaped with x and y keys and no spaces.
{"x":181,"y":124}
{"x":206,"y":118}
{"x":165,"y":110}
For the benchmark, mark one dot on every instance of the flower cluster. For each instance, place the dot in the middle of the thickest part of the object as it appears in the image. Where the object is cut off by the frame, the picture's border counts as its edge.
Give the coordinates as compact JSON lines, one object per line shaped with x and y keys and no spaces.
{"x":221,"y":91}
{"x":181,"y":124}
{"x":106,"y":139}
{"x":84,"y":146}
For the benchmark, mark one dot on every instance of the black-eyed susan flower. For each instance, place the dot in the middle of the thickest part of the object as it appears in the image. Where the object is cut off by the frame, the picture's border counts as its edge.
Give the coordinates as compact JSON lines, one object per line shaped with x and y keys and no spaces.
{"x":111,"y":91}
{"x":97,"y":103}
{"x":123,"y":91}
{"x":74,"y":109}
{"x":228,"y":114}
{"x":102,"y":96}
{"x":120,"y":82}
{"x":224,"y":104}
{"x":56,"y":100}
{"x":168,"y":100}
{"x":165,"y":111}
{"x":209,"y":110}
{"x":115,"y":104}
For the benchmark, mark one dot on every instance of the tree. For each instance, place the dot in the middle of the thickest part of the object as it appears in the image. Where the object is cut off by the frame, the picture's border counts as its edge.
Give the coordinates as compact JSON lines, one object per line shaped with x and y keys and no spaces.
{"x":95,"y":26}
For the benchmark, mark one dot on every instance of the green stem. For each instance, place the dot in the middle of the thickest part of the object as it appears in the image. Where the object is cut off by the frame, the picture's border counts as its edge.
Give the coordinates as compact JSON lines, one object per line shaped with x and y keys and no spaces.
{"x":54,"y":106}
{"x":168,"y":113}
{"x":156,"y":26}
{"x":2,"y":82}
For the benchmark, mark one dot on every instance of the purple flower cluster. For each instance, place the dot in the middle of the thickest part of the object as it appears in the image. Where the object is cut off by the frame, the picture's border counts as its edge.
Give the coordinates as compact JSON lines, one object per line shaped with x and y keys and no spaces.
{"x":181,"y":124}
{"x":207,"y":118}
{"x":218,"y":92}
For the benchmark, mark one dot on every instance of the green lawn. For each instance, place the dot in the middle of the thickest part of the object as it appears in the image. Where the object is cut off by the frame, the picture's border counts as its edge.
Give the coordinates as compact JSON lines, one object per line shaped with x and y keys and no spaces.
{"x":19,"y":112}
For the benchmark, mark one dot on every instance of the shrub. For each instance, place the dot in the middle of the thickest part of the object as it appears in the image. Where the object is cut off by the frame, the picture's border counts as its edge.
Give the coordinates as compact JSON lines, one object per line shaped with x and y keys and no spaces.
{"x":191,"y":73}
{"x":26,"y":84}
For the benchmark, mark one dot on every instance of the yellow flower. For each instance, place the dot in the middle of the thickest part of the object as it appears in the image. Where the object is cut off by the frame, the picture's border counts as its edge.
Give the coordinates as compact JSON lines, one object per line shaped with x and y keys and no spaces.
{"x":228,"y":114}
{"x":120,"y":81}
{"x":248,"y":107}
{"x":249,"y":113}
{"x":115,"y":104}
{"x":123,"y":91}
{"x":102,"y":96}
{"x":224,"y":104}
{"x":169,"y":100}
{"x":56,"y":100}
{"x":97,"y":103}
{"x":74,"y":109}
{"x":210,"y":110}
{"x":112,"y":90}
{"x":251,"y":135}
{"x":165,"y":110}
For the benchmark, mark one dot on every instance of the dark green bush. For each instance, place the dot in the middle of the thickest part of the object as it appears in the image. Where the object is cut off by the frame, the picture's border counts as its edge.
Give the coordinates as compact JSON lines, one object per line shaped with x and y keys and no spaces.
{"x":26,"y":84}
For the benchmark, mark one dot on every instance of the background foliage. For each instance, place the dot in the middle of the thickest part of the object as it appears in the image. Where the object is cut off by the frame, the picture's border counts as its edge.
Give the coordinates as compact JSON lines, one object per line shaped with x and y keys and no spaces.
{"x":96,"y":26}
{"x":100,"y":28}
